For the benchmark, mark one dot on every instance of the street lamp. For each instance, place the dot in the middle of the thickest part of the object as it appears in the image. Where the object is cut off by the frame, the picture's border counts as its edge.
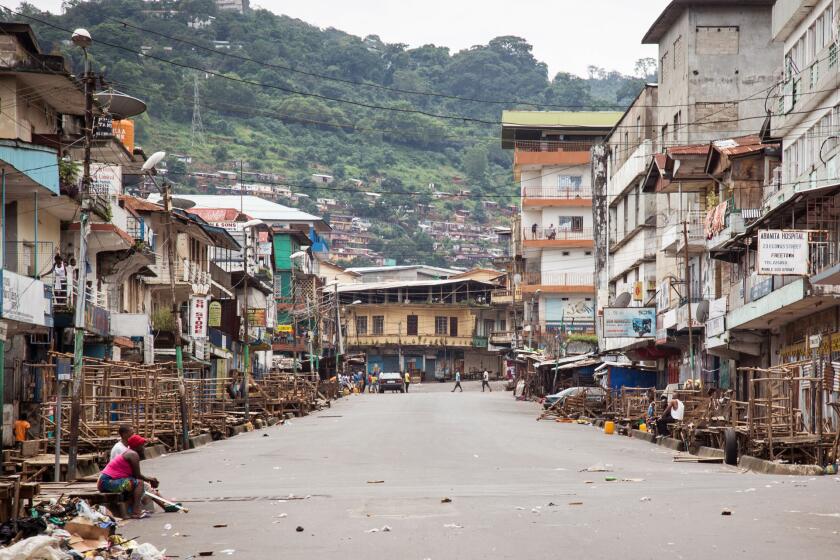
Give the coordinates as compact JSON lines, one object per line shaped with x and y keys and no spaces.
{"x":82,"y":39}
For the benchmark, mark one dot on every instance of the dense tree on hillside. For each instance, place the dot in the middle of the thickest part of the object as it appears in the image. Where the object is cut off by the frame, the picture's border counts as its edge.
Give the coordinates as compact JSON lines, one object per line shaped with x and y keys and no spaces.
{"x":267,"y":98}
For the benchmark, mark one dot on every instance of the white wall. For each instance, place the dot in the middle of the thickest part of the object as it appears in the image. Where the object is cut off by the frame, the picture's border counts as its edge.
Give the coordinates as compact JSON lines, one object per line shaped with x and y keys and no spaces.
{"x":548,"y":176}
{"x":554,"y":261}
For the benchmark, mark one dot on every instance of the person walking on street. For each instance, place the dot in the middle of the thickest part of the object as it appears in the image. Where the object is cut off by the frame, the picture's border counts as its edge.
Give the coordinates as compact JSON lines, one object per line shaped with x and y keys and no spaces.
{"x":457,"y":381}
{"x":485,"y":381}
{"x":407,"y":381}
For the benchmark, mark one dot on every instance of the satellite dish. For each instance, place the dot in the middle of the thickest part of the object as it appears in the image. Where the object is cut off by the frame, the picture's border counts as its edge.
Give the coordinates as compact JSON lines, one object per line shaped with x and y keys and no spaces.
{"x":120,"y":105}
{"x":702,"y":311}
{"x":182,"y":203}
{"x":622,"y":299}
{"x":517,"y":279}
{"x":153,"y":160}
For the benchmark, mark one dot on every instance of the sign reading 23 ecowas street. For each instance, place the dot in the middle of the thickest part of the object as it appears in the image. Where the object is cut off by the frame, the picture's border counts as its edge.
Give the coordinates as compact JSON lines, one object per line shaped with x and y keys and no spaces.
{"x":783,"y":252}
{"x":629,"y":322}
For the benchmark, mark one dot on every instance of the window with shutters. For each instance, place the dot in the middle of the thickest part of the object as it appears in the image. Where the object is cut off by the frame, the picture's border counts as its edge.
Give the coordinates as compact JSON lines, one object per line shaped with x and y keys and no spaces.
{"x":361,"y":326}
{"x":453,"y":326}
{"x":378,"y":324}
{"x":411,"y":324}
{"x":441,"y":324}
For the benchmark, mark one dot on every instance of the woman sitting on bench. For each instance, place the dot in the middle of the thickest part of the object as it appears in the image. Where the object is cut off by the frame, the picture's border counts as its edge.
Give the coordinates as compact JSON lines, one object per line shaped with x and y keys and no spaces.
{"x":122,"y":475}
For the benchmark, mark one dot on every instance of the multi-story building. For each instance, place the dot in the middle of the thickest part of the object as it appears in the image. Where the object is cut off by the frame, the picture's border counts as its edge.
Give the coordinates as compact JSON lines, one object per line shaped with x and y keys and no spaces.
{"x":630,"y":258}
{"x":34,"y":201}
{"x":427,"y":327}
{"x":552,"y":165}
{"x":783,"y":308}
{"x":717,"y":62}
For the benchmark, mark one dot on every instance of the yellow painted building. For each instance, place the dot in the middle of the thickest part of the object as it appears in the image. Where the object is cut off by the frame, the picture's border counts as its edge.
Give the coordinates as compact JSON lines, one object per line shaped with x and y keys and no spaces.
{"x":428,"y":327}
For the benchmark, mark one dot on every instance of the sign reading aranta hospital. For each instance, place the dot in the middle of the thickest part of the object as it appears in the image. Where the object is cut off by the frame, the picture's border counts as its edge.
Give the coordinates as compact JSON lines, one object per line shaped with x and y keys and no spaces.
{"x":783,"y":252}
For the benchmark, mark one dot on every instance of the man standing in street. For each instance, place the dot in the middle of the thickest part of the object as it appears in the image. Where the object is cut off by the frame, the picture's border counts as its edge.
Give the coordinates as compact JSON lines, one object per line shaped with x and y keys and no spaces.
{"x":485,"y":381}
{"x":407,"y":381}
{"x":457,"y":381}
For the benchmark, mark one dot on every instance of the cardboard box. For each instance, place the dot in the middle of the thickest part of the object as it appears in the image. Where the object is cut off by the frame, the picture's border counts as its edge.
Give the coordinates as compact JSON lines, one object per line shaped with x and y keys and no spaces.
{"x":87,"y":529}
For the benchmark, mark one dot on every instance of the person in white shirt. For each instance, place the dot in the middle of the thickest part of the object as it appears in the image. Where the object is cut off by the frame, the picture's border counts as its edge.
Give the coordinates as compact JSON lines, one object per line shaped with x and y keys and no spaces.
{"x":674,"y":412}
{"x":125,"y":431}
{"x":485,"y":381}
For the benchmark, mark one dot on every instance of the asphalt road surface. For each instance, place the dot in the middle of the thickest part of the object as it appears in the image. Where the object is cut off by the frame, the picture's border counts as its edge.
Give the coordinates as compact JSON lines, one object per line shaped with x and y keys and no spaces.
{"x":517,"y":491}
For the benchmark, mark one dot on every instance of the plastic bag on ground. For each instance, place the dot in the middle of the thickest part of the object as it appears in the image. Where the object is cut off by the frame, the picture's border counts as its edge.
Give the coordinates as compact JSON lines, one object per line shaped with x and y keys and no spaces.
{"x":147,"y":551}
{"x":41,"y":547}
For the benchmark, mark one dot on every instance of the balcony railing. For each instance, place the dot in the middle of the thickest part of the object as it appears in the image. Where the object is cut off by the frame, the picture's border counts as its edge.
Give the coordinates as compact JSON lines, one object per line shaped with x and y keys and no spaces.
{"x":30,"y":259}
{"x":185,"y":271}
{"x":562,"y":193}
{"x":558,"y":279}
{"x":64,"y":297}
{"x":555,"y":234}
{"x":552,"y":146}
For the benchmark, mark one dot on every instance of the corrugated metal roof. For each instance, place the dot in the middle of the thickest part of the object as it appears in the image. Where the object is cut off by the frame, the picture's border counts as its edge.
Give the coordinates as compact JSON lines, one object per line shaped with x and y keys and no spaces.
{"x":368,"y":286}
{"x":216,"y":214}
{"x":254,"y":206}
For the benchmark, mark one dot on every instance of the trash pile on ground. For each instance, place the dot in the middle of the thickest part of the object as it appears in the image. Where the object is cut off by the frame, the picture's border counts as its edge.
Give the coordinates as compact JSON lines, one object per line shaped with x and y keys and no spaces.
{"x":64,"y":528}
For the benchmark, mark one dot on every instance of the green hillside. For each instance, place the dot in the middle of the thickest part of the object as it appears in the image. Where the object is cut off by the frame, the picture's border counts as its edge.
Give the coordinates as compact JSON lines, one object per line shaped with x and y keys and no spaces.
{"x":267,"y":98}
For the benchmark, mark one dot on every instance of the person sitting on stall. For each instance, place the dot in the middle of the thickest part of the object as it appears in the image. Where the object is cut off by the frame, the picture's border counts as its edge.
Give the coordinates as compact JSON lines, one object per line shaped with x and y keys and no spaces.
{"x":234,"y":388}
{"x":125,"y":431}
{"x":674,"y":412}
{"x":650,"y":416}
{"x":122,"y":475}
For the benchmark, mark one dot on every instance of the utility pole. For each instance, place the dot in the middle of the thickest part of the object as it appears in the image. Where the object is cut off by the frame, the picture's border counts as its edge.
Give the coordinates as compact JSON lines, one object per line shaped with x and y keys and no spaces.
{"x":179,"y":351}
{"x":84,"y":41}
{"x":247,"y":336}
{"x":688,"y":296}
{"x":339,"y":339}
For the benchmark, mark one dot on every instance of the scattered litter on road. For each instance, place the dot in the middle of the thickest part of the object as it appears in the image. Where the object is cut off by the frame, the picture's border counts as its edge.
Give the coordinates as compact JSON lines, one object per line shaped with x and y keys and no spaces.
{"x":726,"y":512}
{"x":453,"y":526}
{"x":206,"y":553}
{"x":282,"y":515}
{"x":575,"y":503}
{"x":374,"y":530}
{"x":375,"y":481}
{"x":610,"y":478}
{"x":219,"y":526}
{"x":520,"y":508}
{"x":276,"y":468}
{"x":299,"y":529}
{"x":228,"y":551}
{"x":386,"y":529}
{"x":749,"y":490}
{"x":265,"y":435}
{"x":476,"y":456}
{"x":644,"y":499}
{"x":446,"y":501}
{"x":534,"y":510}
{"x":597,"y":468}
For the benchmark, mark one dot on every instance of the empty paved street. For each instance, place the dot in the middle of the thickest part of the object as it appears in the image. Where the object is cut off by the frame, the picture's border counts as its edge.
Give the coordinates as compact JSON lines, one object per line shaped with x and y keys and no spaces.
{"x":516,"y":487}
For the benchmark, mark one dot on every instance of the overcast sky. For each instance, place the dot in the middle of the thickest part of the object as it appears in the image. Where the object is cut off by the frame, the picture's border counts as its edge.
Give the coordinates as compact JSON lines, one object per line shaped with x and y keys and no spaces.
{"x":568,"y":35}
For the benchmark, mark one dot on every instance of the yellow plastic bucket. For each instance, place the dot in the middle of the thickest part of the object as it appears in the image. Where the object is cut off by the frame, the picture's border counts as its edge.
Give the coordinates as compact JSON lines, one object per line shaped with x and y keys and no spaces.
{"x":643,"y":428}
{"x":609,"y":427}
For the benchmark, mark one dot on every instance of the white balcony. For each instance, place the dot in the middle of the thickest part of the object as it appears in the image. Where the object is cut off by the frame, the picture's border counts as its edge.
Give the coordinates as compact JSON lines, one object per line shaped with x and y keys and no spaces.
{"x":734,"y":226}
{"x":635,"y":165}
{"x":674,"y":236}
